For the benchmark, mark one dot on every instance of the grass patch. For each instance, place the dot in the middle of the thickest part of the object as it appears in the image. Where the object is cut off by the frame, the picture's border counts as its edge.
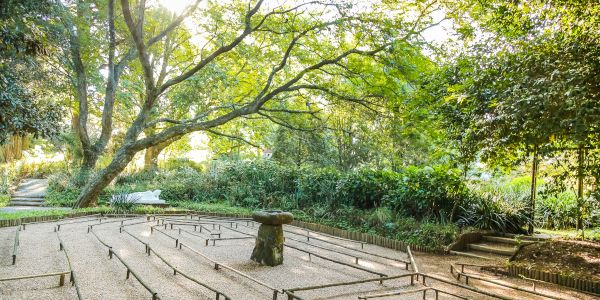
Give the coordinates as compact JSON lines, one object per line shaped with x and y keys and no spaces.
{"x":51,"y":212}
{"x":4,"y":199}
{"x":592,"y":234}
{"x":214,"y":207}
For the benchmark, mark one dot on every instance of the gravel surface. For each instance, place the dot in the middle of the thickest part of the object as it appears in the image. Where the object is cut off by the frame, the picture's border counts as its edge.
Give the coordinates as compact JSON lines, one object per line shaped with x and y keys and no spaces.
{"x":99,"y":277}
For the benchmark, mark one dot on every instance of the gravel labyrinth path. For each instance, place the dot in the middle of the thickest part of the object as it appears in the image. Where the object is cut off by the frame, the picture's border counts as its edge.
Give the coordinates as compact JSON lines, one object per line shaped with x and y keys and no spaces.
{"x":202,"y":257}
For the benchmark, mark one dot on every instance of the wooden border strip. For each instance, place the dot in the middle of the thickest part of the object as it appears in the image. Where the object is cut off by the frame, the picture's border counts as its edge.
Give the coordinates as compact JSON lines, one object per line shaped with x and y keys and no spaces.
{"x":591,"y":287}
{"x":356,"y":258}
{"x":412,"y":261}
{"x":220,"y":265}
{"x":90,"y":227}
{"x":190,"y":224}
{"x":57,"y":227}
{"x":342,"y":246}
{"x":463,"y":286}
{"x":73,"y":279}
{"x":61,"y":280}
{"x":534,"y":281}
{"x":506,"y":285}
{"x":16,"y":245}
{"x":57,"y":218}
{"x":111,"y":253}
{"x":362,"y":244}
{"x":408,"y":292}
{"x":336,"y":284}
{"x":337,"y":261}
{"x":166,"y":234}
{"x":350,"y":248}
{"x":176,"y":271}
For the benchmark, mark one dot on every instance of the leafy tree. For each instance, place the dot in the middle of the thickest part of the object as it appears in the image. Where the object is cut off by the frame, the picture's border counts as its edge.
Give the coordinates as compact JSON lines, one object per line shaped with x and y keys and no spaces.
{"x":255,"y":59}
{"x":531,"y":86}
{"x":25,"y":34}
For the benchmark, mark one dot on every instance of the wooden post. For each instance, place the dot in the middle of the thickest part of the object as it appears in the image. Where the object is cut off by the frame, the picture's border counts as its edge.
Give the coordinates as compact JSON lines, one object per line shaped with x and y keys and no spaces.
{"x":534,"y":169}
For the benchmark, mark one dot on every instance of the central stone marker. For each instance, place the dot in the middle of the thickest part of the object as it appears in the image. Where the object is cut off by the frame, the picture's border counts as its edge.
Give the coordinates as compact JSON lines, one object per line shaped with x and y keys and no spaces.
{"x":268,"y":249}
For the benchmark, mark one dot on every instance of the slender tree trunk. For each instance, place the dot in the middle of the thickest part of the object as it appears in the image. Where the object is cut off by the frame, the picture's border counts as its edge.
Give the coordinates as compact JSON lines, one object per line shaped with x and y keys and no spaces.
{"x":458,"y":201}
{"x":534,"y":169}
{"x":580,"y":177}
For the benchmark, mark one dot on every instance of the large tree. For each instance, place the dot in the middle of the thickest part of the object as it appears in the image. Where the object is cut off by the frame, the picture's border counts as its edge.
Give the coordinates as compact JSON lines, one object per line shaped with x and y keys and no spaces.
{"x":250,"y":59}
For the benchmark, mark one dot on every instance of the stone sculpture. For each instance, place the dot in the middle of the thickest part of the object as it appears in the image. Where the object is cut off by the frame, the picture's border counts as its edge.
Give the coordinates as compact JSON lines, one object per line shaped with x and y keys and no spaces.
{"x":268,"y":249}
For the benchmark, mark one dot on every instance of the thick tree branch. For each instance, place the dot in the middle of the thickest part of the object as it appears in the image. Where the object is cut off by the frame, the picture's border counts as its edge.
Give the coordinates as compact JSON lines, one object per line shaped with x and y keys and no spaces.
{"x":232,"y":137}
{"x":223,"y":49}
{"x":109,"y":98}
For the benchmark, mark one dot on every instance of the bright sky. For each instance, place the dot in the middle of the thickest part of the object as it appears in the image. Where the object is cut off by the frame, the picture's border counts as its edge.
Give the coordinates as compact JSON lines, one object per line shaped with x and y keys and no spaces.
{"x":175,"y":5}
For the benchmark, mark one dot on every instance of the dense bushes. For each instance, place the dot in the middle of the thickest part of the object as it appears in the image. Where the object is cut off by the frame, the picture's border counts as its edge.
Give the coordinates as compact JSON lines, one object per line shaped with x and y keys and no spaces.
{"x":427,"y":192}
{"x":369,"y":199}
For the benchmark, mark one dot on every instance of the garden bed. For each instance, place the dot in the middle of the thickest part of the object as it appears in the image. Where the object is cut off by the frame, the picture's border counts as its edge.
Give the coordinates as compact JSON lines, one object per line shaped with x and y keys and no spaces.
{"x":568,"y":257}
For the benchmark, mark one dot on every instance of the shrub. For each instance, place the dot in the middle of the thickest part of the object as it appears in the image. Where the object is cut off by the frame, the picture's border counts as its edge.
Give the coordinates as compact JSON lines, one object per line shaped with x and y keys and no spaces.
{"x":317,"y":186}
{"x":4,"y":199}
{"x":557,"y":211}
{"x":366,"y":188}
{"x":427,"y":192}
{"x":122,"y":202}
{"x":492,"y":213}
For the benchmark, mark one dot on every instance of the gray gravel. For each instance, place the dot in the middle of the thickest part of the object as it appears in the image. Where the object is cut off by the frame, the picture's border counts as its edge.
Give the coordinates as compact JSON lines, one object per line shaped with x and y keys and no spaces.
{"x":102,"y":278}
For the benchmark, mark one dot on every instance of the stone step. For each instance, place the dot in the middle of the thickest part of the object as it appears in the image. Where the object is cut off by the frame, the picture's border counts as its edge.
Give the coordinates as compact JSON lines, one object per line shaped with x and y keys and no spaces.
{"x":535,"y":237}
{"x":25,"y":203}
{"x":495,"y":249}
{"x":27,"y":199}
{"x":29,"y":194}
{"x":505,"y":240}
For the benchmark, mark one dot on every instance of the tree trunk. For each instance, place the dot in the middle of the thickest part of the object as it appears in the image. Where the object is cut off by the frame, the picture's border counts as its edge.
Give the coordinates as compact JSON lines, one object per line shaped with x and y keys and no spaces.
{"x":90,"y":157}
{"x":534,"y":170}
{"x":151,"y":156}
{"x":458,"y":201}
{"x":580,"y":177}
{"x":94,"y":187}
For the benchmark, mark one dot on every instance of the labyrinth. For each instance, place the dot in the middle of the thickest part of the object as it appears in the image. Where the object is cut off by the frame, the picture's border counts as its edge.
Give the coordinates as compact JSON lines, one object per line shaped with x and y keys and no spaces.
{"x":207,"y":257}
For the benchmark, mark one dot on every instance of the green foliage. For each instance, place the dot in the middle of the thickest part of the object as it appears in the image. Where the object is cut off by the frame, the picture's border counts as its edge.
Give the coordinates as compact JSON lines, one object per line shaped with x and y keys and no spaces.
{"x":25,"y":32}
{"x":4,"y":199}
{"x":427,"y":192}
{"x":560,"y":211}
{"x":122,"y":203}
{"x":491,"y":212}
{"x":316,"y":186}
{"x":557,"y":211}
{"x":366,"y":188}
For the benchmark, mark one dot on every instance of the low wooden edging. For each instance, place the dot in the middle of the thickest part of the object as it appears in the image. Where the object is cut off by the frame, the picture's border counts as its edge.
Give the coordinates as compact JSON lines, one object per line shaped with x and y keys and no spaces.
{"x":351,"y":235}
{"x":37,"y":219}
{"x":51,"y":218}
{"x":365,"y":237}
{"x":581,"y":284}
